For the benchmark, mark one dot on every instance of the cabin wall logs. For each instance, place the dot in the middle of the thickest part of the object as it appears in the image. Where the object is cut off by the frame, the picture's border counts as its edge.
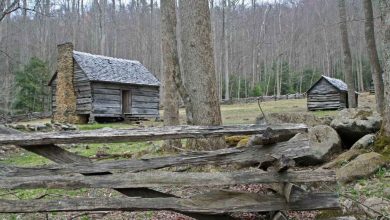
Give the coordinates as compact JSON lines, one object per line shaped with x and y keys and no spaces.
{"x":324,"y":96}
{"x":107,"y":100}
{"x":83,"y":90}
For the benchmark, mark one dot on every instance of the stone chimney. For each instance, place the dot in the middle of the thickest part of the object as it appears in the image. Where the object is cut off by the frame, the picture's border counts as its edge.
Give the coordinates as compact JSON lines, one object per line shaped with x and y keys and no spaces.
{"x":66,"y":98}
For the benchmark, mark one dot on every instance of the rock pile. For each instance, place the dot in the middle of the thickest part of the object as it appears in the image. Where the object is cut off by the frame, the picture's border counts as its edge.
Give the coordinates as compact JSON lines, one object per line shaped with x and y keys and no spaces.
{"x":353,"y":124}
{"x":324,"y":142}
{"x":43,"y":127}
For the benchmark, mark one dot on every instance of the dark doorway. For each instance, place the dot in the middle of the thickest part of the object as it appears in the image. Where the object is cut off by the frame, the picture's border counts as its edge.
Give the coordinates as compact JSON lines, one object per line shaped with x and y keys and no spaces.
{"x":126,"y":102}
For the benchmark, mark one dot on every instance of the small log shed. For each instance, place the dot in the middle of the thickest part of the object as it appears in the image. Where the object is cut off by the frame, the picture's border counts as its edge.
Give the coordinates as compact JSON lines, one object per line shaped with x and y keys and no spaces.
{"x":328,"y":94}
{"x":88,"y":86}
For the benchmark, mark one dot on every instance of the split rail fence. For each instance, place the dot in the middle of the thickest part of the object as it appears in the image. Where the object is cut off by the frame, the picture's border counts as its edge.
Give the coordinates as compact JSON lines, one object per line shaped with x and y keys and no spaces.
{"x":138,"y":179}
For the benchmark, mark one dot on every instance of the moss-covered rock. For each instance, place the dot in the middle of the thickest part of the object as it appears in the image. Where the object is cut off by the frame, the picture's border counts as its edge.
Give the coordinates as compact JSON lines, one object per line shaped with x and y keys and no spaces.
{"x":382,"y":146}
{"x":243,"y":142}
{"x":365,"y":142}
{"x":327,"y":214}
{"x":232,"y":141}
{"x":362,"y":166}
{"x":343,"y":158}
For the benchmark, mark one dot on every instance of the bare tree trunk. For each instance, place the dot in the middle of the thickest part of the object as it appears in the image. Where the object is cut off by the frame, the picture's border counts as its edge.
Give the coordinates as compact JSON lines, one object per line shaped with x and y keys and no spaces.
{"x":199,"y":69}
{"x":169,"y":56}
{"x":225,"y":50}
{"x":102,"y":26}
{"x":385,"y":8}
{"x":7,"y":80}
{"x":151,"y":37}
{"x":324,"y":22}
{"x":254,"y":53}
{"x":373,"y":54}
{"x":116,"y":26}
{"x":347,"y":55}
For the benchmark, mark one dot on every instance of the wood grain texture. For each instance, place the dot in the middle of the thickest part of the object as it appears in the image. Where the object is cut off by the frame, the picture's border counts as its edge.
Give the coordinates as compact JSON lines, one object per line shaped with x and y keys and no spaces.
{"x":63,"y":157}
{"x":148,"y":134}
{"x":164,"y":179}
{"x":216,"y":202}
{"x":245,"y":157}
{"x":57,"y":154}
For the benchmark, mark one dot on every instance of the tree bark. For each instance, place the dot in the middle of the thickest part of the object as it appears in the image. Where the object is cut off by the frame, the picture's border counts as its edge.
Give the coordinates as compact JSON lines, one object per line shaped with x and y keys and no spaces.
{"x":225,"y":49}
{"x":347,"y":55}
{"x":199,"y":69}
{"x":373,"y":54}
{"x":169,"y":55}
{"x":385,"y":8}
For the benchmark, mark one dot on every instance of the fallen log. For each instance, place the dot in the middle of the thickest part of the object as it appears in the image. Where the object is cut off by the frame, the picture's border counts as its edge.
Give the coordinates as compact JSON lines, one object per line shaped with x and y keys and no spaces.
{"x":148,"y":134}
{"x":164,"y":179}
{"x":219,"y":202}
{"x":245,"y":156}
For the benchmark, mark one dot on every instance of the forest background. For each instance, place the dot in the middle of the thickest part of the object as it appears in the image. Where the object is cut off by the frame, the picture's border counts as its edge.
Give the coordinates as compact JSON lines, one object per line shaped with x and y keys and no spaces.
{"x":260,"y":47}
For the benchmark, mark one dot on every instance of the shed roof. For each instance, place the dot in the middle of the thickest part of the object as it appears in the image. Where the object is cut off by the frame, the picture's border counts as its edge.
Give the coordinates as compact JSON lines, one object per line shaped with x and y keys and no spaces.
{"x":109,"y":69}
{"x":337,"y":83}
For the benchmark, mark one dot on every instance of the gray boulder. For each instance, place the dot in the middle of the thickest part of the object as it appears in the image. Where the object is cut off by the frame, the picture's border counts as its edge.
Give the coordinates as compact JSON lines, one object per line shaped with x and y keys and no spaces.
{"x":353,"y":124}
{"x":324,"y":142}
{"x":362,"y":166}
{"x":343,"y":158}
{"x":293,"y":117}
{"x":365,"y":142}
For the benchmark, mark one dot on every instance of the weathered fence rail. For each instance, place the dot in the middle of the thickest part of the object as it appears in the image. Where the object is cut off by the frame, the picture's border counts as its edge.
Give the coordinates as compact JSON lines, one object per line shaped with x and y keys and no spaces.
{"x":219,"y":202}
{"x":264,"y":98}
{"x":134,"y":178}
{"x":149,"y":134}
{"x":160,"y":179}
{"x":248,"y":156}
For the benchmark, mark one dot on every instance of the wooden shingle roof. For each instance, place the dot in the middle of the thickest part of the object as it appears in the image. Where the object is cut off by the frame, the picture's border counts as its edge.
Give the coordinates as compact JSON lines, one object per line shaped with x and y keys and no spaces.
{"x":337,"y":83}
{"x":114,"y":70}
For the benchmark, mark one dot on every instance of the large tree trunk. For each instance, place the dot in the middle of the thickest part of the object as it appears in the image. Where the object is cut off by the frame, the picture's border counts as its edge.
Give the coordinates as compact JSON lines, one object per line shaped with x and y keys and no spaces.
{"x":347,"y":55}
{"x":373,"y":54}
{"x":385,"y":7}
{"x":170,"y":66}
{"x":199,"y":70}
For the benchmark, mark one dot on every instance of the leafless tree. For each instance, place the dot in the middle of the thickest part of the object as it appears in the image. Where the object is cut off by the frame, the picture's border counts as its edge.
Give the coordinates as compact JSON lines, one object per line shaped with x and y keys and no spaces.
{"x":347,"y":55}
{"x":199,"y":70}
{"x":373,"y":54}
{"x":385,"y":9}
{"x":170,"y":68}
{"x":294,"y":40}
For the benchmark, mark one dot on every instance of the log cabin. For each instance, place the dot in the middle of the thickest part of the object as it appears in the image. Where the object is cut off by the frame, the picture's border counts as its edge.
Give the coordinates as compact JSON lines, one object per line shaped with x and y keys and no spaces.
{"x":328,"y":94}
{"x":87,"y":86}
